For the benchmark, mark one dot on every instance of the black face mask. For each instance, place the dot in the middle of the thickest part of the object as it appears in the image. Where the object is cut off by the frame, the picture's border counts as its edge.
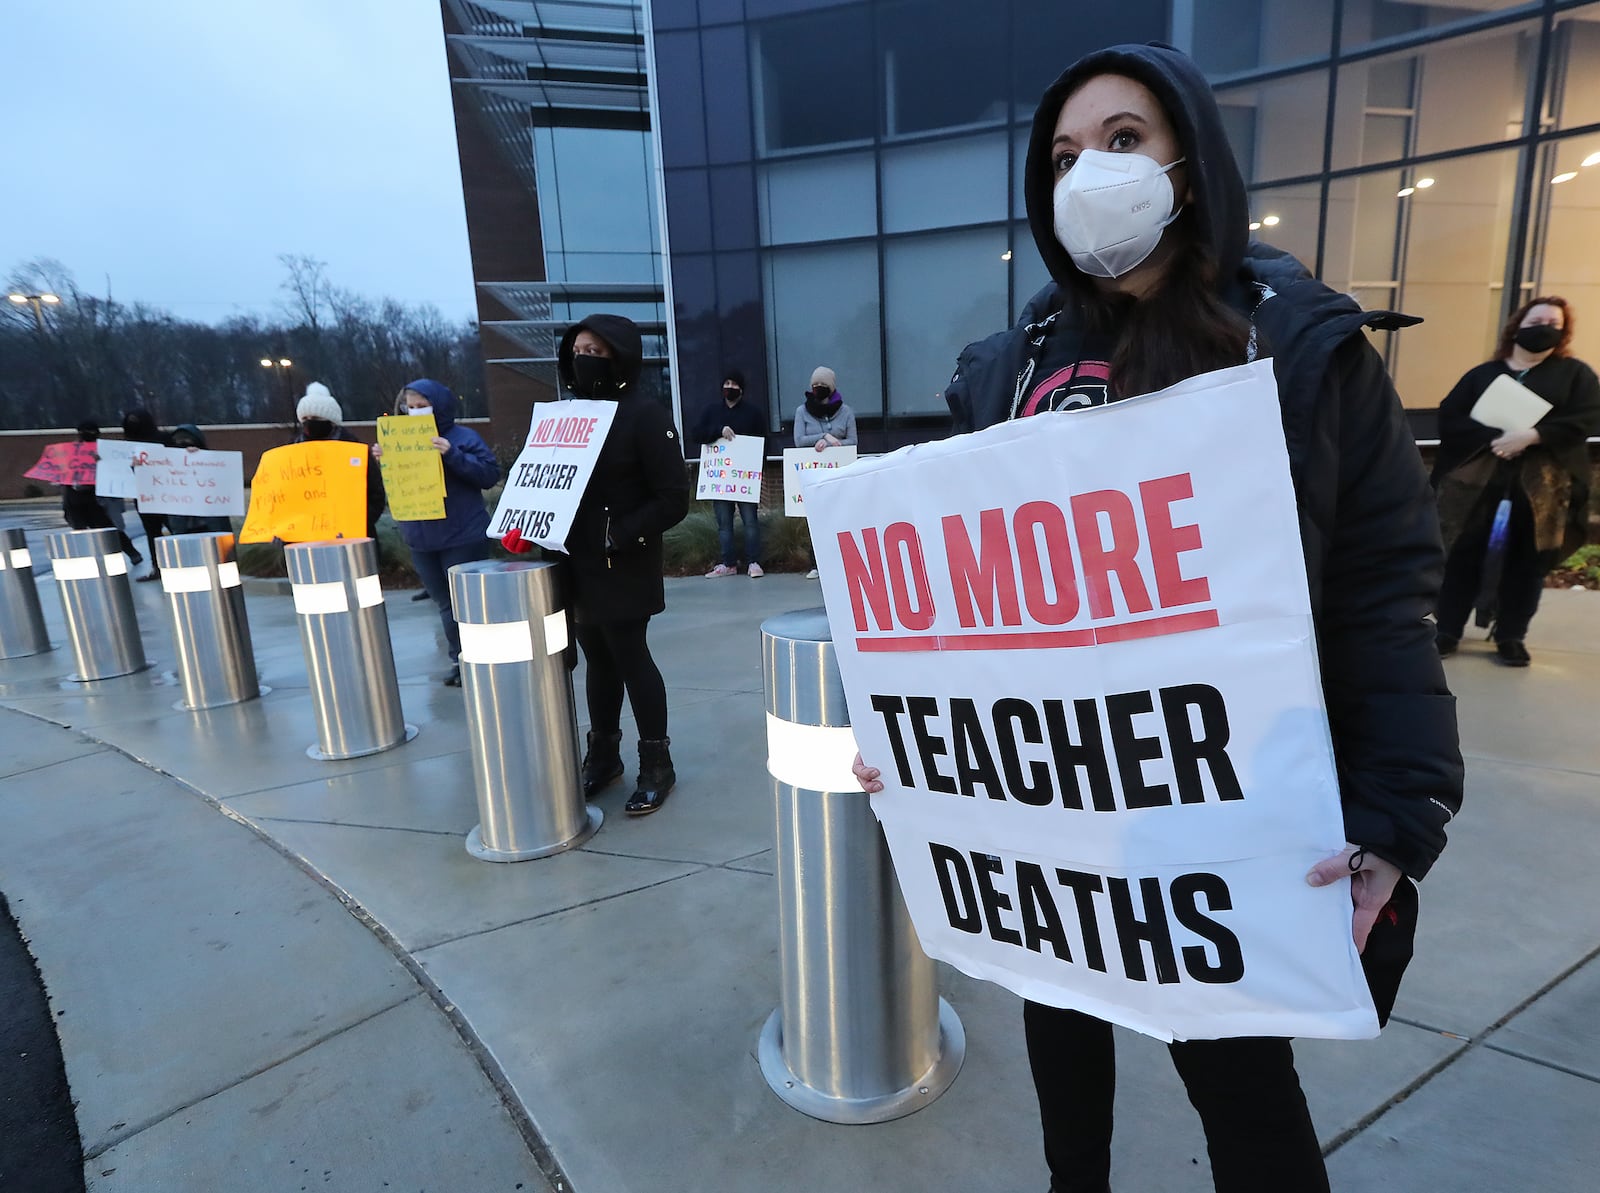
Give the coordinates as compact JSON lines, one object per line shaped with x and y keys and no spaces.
{"x":732,"y":396}
{"x":821,"y":405}
{"x":593,"y":376}
{"x":1538,"y":337}
{"x":317,"y":428}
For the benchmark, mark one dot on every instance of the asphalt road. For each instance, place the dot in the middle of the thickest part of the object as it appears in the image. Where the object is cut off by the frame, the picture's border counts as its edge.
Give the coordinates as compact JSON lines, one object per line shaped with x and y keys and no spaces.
{"x":39,"y":1147}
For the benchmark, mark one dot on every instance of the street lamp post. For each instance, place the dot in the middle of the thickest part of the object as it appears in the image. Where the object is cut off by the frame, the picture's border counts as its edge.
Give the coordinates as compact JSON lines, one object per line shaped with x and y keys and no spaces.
{"x":280,"y":366}
{"x":38,"y":302}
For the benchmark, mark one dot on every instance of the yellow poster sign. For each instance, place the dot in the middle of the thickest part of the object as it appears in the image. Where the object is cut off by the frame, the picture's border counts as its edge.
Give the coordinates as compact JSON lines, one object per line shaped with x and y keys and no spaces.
{"x":308,"y":491}
{"x":413,"y":473}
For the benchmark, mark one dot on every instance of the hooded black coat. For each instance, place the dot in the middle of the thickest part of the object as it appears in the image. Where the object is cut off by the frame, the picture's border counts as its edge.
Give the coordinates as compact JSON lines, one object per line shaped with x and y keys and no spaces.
{"x":1368,"y":523}
{"x":638,"y":491}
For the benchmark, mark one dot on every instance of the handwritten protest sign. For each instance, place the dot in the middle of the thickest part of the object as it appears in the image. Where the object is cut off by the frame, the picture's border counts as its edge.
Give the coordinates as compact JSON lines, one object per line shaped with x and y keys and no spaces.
{"x":65,"y":464}
{"x":1073,"y":647}
{"x":546,"y":483}
{"x":413,"y":473}
{"x":199,"y":484}
{"x":114,"y":476}
{"x":308,"y":491}
{"x":798,"y":461}
{"x":730,"y":469}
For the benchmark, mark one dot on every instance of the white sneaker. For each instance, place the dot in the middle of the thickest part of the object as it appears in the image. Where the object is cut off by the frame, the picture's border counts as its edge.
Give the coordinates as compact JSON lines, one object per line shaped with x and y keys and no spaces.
{"x":720,"y":570}
{"x":812,"y":574}
{"x":755,"y":571}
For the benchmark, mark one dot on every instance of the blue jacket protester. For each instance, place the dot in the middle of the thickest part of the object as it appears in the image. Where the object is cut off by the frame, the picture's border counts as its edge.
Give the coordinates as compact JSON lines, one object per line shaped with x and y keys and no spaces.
{"x":469,"y":469}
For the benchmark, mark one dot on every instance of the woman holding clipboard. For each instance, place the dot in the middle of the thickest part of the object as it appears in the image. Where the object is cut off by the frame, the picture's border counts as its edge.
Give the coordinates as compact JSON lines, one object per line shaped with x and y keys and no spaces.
{"x":1512,"y":455}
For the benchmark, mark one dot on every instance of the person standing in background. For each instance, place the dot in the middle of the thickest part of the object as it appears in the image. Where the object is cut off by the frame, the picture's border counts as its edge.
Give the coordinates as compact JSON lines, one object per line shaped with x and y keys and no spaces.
{"x":1543,"y":473}
{"x":139,"y":427}
{"x":734,"y":416}
{"x":823,"y":420}
{"x":84,"y":510}
{"x":321,"y":417}
{"x":461,"y":536}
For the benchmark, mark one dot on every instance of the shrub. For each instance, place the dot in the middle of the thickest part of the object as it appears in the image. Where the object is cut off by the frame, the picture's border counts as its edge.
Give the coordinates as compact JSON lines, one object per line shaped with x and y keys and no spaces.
{"x":690,"y":548}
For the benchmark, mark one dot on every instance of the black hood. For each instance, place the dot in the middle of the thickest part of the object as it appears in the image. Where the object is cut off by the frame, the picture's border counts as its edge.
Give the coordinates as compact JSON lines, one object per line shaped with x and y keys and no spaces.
{"x":1221,"y":214}
{"x":627,"y":350}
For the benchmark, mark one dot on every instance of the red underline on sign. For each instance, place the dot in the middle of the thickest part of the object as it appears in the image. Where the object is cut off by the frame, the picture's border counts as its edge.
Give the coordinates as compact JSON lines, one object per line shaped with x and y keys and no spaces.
{"x":557,"y":445}
{"x":1155,"y":627}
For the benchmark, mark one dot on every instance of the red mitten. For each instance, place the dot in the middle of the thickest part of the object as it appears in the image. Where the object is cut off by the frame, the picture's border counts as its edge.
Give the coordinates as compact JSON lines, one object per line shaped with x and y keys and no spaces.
{"x":515,"y":543}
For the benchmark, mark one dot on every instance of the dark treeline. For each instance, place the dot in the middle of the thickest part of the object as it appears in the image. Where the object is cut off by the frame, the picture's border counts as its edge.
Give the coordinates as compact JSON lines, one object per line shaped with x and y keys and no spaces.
{"x":90,"y":356}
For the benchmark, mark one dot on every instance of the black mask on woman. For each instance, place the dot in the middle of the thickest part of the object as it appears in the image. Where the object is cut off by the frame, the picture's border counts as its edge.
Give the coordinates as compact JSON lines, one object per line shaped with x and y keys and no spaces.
{"x":1538,"y":337}
{"x":593,"y":376}
{"x":821,"y":405}
{"x":317,"y":428}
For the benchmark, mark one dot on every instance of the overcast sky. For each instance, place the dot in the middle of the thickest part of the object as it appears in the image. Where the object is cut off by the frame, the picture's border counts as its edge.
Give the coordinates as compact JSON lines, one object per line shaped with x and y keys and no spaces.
{"x":179,"y":146}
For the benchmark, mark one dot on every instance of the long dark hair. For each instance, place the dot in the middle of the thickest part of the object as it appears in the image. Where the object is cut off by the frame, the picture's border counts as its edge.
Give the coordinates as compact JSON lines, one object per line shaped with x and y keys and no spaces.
{"x":1508,"y":333}
{"x":1183,"y":328}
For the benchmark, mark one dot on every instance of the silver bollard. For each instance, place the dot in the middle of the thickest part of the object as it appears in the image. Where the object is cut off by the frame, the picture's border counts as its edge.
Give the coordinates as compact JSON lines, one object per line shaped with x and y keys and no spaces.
{"x":861,"y":1035}
{"x":22,"y":631}
{"x":344,"y":631}
{"x":520,"y":715}
{"x":92,"y":577}
{"x":216,"y":662}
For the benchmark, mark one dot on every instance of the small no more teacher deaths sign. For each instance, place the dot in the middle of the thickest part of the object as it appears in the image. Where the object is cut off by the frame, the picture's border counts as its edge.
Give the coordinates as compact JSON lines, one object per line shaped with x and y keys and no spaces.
{"x":546,"y":483}
{"x":1079,"y":647}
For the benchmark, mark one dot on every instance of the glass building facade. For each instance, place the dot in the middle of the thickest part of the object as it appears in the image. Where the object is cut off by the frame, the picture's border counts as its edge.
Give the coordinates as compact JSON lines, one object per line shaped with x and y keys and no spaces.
{"x":842,"y":187}
{"x":1437,"y":158}
{"x":842,"y":178}
{"x":559,"y":175}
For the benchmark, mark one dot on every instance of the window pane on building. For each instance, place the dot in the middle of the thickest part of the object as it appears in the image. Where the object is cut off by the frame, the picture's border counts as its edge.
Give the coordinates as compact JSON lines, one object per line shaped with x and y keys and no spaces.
{"x":1368,"y":21}
{"x":1575,"y":68}
{"x":814,"y":80}
{"x":1237,"y":35}
{"x":1562,"y":258}
{"x":941,"y":292}
{"x":1285,"y":121}
{"x":940,"y":184}
{"x":822,"y":309}
{"x":924,"y":43}
{"x":1286,"y":218}
{"x":819,"y":198}
{"x":1466,"y":91}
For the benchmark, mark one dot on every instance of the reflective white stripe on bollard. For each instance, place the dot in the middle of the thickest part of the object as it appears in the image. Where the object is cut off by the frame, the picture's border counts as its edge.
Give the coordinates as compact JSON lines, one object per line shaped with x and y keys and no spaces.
{"x":861,"y":1034}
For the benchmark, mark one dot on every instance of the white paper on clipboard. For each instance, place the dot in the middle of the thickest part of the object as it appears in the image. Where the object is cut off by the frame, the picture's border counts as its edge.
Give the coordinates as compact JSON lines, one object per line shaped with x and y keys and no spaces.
{"x":1509,"y":405}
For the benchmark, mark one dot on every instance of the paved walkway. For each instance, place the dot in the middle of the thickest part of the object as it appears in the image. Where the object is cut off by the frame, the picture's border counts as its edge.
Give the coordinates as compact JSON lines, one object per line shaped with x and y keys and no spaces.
{"x":277,"y":972}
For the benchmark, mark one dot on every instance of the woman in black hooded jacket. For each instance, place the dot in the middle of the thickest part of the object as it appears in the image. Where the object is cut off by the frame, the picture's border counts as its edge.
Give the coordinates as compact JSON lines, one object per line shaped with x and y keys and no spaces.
{"x":1149,"y":290}
{"x":638,"y":491}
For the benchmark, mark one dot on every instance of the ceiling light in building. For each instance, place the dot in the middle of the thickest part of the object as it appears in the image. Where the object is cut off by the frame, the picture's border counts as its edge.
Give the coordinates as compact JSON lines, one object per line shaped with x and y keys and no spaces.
{"x":1424,"y":183}
{"x":1255,"y":225}
{"x":1270,"y":221}
{"x":1592,"y":160}
{"x":265,"y":363}
{"x":1404,"y":191}
{"x":1560,"y":178}
{"x":1006,"y":256}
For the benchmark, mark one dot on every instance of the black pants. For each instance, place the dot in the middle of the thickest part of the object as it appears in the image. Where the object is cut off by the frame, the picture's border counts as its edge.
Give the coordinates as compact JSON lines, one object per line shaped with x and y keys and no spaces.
{"x":619,"y":658}
{"x":1521,"y":577}
{"x":1258,"y":1130}
{"x":153,"y":525}
{"x":89,"y":514}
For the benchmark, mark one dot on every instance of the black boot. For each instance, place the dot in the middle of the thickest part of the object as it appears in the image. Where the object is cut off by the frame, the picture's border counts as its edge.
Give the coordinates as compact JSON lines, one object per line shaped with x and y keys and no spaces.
{"x":656,"y":778}
{"x":602,"y":762}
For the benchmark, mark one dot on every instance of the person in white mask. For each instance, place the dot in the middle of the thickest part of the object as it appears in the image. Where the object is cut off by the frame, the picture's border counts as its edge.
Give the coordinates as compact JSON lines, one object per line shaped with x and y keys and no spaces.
{"x":1141,"y":216}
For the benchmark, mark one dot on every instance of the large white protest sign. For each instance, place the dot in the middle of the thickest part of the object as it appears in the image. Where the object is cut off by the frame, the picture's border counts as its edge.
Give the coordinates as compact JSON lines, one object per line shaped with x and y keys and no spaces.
{"x":798,"y":461}
{"x":202,"y":484}
{"x":1079,"y":647}
{"x":546,"y":483}
{"x":114,"y":475}
{"x":730,"y":469}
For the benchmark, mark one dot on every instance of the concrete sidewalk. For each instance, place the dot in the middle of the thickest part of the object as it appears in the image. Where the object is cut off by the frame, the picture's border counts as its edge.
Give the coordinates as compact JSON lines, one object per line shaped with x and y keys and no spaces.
{"x":616,"y":992}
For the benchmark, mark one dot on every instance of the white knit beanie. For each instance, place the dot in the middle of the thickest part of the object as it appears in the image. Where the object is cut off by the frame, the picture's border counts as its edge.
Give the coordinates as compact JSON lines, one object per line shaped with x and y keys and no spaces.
{"x":319,"y":403}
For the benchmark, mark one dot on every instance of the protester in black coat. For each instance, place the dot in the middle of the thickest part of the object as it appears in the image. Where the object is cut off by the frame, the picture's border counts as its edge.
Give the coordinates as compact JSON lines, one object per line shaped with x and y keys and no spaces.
{"x":639,"y":490}
{"x":1137,"y":305}
{"x":1542,"y":474}
{"x":84,"y":510}
{"x":139,"y":427}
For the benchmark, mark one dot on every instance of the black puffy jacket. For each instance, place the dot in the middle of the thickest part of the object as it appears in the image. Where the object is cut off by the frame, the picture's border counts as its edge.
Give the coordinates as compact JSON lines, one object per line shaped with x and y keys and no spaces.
{"x":1368,"y":523}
